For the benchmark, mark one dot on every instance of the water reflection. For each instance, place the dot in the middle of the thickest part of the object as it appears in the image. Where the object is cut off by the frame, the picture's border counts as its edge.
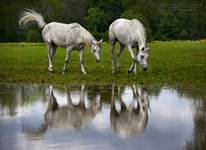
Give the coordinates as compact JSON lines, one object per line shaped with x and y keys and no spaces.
{"x":131,"y":120}
{"x":101,"y":117}
{"x":70,"y":115}
{"x":128,"y":121}
{"x":13,"y":97}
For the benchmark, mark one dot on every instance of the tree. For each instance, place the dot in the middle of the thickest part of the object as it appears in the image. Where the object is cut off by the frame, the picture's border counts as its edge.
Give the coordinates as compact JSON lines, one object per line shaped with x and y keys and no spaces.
{"x":163,"y":19}
{"x":167,"y":28}
{"x":100,"y":15}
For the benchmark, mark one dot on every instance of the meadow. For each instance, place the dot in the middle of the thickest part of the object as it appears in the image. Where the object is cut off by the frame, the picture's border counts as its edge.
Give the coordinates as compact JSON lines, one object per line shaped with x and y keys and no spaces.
{"x":169,"y":63}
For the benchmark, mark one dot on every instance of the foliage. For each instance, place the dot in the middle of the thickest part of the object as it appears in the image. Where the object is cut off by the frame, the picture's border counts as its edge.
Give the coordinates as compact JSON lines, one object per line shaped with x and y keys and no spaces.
{"x":94,"y":19}
{"x":100,"y":15}
{"x":163,"y":19}
{"x":167,"y":27}
{"x":33,"y":35}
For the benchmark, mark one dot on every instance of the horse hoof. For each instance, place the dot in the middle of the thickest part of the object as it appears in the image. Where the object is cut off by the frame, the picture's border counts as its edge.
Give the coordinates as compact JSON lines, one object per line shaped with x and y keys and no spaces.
{"x":118,"y":69}
{"x":129,"y":71}
{"x":65,"y":71}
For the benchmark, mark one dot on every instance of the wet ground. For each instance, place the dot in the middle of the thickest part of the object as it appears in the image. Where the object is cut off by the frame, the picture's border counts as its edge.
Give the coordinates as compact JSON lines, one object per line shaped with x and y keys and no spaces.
{"x":34,"y":116}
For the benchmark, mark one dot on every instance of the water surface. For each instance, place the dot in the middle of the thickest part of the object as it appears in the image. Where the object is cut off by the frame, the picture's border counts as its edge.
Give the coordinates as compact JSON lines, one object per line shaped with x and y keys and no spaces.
{"x":101,"y":117}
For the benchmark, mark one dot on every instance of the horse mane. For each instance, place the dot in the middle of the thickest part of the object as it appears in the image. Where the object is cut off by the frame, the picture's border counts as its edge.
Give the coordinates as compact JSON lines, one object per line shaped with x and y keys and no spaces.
{"x":142,"y":30}
{"x":87,"y":37}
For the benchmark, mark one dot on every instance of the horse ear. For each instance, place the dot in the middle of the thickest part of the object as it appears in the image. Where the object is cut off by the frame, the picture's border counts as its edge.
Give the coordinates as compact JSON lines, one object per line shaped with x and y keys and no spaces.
{"x":100,"y":41}
{"x":148,"y":49}
{"x":92,"y":42}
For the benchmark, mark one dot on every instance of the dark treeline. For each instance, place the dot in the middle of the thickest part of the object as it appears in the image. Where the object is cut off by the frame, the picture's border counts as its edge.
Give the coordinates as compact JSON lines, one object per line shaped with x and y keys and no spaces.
{"x":163,"y":19}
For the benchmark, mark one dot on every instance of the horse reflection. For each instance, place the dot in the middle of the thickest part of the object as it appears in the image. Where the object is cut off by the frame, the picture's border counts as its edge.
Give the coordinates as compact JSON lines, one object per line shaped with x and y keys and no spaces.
{"x":68,"y":116}
{"x":71,"y":116}
{"x":131,"y":120}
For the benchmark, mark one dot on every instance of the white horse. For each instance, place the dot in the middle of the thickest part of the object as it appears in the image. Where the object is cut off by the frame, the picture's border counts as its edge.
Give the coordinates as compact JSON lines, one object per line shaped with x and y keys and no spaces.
{"x":70,"y":36}
{"x":130,"y":33}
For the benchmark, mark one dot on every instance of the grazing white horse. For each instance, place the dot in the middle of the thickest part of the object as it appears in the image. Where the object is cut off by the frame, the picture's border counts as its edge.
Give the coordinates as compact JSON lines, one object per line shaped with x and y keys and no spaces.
{"x":130,"y":33}
{"x":70,"y":36}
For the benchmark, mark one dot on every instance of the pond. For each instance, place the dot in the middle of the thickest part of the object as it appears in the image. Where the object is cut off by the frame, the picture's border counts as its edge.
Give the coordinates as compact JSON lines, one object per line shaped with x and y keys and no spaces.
{"x":39,"y":116}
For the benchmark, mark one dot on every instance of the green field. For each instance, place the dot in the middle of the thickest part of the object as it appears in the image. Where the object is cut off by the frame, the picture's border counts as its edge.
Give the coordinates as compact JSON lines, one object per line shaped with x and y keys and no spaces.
{"x":174,"y":62}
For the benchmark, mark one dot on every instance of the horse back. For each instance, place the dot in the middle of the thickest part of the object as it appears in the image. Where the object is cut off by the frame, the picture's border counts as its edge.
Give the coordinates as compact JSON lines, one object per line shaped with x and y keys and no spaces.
{"x":125,"y":31}
{"x":58,"y":33}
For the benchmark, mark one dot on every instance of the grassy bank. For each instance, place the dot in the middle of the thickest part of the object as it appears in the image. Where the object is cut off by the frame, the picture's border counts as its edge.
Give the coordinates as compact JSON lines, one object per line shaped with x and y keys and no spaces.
{"x":175,"y":62}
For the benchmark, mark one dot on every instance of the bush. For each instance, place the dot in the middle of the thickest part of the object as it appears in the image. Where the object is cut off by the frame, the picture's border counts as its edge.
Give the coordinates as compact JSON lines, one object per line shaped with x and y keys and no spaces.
{"x":33,"y":36}
{"x":168,"y":27}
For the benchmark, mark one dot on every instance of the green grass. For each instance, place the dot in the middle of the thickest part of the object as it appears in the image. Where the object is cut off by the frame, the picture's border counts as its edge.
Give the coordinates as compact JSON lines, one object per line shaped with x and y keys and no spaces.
{"x":174,"y":62}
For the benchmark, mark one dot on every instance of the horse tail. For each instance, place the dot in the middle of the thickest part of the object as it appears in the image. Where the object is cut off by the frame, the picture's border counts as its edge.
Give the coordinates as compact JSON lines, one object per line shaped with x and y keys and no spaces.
{"x":31,"y":16}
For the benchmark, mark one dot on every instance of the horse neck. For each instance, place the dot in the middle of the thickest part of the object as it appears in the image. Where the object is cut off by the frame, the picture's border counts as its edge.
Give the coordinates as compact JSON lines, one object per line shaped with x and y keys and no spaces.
{"x":90,"y":40}
{"x":142,"y":44}
{"x":142,"y":38}
{"x":88,"y":37}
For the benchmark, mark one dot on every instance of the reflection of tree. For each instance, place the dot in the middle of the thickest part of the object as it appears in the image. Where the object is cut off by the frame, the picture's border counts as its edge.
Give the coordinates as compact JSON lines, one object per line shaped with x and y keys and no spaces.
{"x":104,"y":91}
{"x":195,"y":93}
{"x":13,"y":95}
{"x":131,"y":120}
{"x":198,"y":140}
{"x":198,"y":97}
{"x":153,"y":90}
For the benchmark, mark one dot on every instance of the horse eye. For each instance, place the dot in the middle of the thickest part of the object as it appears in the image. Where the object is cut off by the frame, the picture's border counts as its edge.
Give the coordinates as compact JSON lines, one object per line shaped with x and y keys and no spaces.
{"x":142,"y":56}
{"x":94,"y":50}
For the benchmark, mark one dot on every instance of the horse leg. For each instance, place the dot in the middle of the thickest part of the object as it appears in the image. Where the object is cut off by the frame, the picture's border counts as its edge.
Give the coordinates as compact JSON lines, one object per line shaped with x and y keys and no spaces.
{"x":122,"y":104}
{"x":112,"y":44}
{"x":119,"y":51}
{"x":133,"y":66}
{"x":53,"y":49}
{"x":51,"y":52}
{"x":113,"y":108}
{"x":134,"y":62}
{"x":96,"y":104}
{"x":134,"y":105}
{"x":69,"y":100}
{"x":68,"y":51}
{"x":81,"y":61}
{"x":82,"y":100}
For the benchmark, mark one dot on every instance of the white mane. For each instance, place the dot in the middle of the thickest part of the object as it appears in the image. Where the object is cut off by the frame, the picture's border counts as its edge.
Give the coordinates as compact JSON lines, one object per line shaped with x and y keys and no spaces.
{"x":87,"y":37}
{"x":142,"y":34}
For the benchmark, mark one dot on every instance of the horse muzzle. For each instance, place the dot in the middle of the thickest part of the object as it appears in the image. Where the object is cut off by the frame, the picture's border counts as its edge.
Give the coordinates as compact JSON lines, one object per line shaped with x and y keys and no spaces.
{"x":145,"y":69}
{"x":98,"y":60}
